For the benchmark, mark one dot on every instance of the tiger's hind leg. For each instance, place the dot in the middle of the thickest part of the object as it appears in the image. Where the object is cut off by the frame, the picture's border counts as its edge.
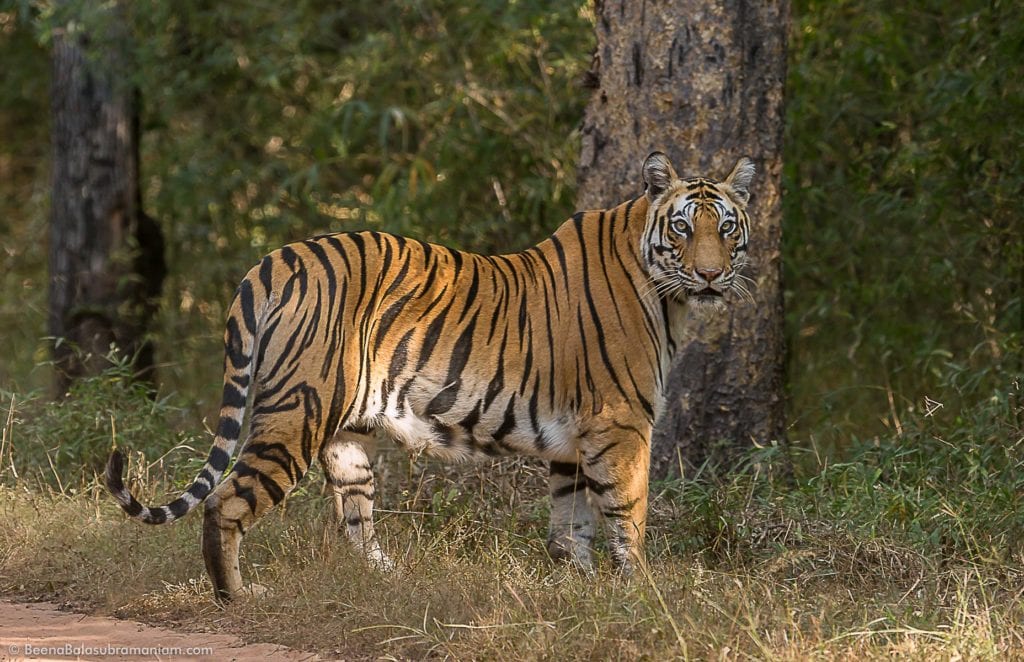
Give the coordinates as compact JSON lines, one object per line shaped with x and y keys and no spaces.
{"x":572,"y":527}
{"x":346,"y":461}
{"x":273,"y":460}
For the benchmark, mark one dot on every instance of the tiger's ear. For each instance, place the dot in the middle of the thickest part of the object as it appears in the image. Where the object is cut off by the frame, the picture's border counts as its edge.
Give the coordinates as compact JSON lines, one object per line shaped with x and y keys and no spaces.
{"x":658,"y":174}
{"x":739,"y":180}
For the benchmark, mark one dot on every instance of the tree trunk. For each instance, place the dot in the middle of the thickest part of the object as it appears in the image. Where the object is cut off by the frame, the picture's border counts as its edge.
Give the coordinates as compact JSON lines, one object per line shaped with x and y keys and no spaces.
{"x":703,"y":82}
{"x":106,"y":256}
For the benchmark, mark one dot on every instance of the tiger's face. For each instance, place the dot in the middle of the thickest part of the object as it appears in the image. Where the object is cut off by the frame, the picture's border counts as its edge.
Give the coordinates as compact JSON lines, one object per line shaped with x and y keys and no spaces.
{"x":695,"y":242}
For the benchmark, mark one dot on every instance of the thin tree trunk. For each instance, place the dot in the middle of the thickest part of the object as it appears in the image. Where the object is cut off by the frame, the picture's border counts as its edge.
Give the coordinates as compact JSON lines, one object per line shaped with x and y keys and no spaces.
{"x":702,"y":81}
{"x":106,"y":256}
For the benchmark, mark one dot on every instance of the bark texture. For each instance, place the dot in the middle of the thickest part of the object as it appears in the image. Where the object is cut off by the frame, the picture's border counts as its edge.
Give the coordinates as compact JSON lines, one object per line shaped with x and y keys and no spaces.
{"x":106,"y":255}
{"x":701,"y":80}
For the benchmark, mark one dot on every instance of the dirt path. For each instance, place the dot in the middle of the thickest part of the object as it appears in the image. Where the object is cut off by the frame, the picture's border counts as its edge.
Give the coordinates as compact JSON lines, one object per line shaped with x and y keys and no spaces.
{"x":40,"y":631}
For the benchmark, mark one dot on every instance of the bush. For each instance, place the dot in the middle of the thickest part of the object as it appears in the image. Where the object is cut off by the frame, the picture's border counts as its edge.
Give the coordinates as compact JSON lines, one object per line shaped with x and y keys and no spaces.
{"x":66,"y":443}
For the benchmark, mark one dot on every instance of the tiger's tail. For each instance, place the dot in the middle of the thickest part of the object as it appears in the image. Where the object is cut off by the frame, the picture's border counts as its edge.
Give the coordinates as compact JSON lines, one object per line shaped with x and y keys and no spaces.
{"x":240,"y":339}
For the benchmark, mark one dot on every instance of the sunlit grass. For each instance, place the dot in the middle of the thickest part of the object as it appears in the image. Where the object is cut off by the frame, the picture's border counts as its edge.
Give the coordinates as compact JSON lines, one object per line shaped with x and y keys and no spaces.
{"x":824,"y":567}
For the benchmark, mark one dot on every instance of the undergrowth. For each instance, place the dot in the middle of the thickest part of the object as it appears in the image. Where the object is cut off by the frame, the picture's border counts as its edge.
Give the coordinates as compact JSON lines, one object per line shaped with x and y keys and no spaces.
{"x":908,"y":545}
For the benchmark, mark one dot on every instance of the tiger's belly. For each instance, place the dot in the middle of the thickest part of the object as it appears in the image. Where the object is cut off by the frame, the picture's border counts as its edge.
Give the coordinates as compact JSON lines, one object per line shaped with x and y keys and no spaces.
{"x":473,"y":424}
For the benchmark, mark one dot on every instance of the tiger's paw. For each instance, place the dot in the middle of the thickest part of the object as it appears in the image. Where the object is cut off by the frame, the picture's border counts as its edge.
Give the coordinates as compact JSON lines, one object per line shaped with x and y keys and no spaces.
{"x":380,"y":561}
{"x":573,"y":553}
{"x":253,"y":590}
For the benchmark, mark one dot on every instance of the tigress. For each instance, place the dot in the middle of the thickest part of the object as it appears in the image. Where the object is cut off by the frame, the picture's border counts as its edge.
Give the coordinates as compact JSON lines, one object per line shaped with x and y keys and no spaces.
{"x":560,"y":351}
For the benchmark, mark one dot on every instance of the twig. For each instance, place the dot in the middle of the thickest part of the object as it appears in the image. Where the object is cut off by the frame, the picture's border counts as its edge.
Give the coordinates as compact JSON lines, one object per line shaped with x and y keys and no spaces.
{"x":9,"y":435}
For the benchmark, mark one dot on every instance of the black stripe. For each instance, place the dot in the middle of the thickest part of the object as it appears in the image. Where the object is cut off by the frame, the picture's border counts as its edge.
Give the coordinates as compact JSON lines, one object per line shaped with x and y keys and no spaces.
{"x":461,"y":352}
{"x":533,"y":406}
{"x":274,"y":490}
{"x":232,"y":397}
{"x":289,"y":257}
{"x":265,"y":338}
{"x":244,"y":493}
{"x":596,"y":457}
{"x":551,"y":274}
{"x":247,"y":303}
{"x":388,"y":318}
{"x":618,"y":511}
{"x":360,"y":245}
{"x":644,"y":402}
{"x":399,"y":279}
{"x":276,"y":453}
{"x":560,"y":252}
{"x":337,"y":482}
{"x":601,"y":252}
{"x":564,"y":469}
{"x":499,"y":314}
{"x":566,"y":490}
{"x":133,"y":508}
{"x":527,"y":365}
{"x":156,"y":516}
{"x":508,"y":423}
{"x":178,"y":508}
{"x":234,"y":348}
{"x":433,"y":334}
{"x":289,"y":345}
{"x":199,"y":491}
{"x":550,"y":345}
{"x":266,"y":275}
{"x":595,"y":318}
{"x":328,"y":270}
{"x":597,"y":487}
{"x":335,"y":243}
{"x":471,"y":419}
{"x":470,"y":296}
{"x":356,"y":490}
{"x":399,"y":359}
{"x":218,"y":459}
{"x":497,"y":383}
{"x":228,"y":428}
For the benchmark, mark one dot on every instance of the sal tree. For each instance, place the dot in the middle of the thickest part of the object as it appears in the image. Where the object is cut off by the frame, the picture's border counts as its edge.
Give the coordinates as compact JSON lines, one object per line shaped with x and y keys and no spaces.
{"x":702,"y":81}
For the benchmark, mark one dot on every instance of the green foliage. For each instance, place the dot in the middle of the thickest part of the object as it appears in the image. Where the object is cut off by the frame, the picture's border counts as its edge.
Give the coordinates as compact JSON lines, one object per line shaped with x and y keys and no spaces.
{"x":66,"y":443}
{"x":269,"y":122}
{"x":903,"y":176}
{"x":946,"y":488}
{"x":272,"y":122}
{"x":24,"y":191}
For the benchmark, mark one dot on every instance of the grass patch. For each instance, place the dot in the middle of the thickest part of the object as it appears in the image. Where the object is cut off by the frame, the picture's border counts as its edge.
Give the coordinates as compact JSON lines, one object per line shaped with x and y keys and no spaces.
{"x":911,"y":547}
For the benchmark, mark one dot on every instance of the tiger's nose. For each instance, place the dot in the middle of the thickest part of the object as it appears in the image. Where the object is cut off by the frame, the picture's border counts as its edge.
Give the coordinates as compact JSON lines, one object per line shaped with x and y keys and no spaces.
{"x":709,"y":274}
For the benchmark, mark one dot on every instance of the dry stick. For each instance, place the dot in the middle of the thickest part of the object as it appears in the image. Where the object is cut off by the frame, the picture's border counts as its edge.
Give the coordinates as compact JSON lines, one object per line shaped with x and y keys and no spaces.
{"x":664,"y":607}
{"x":56,"y":475}
{"x":9,"y":435}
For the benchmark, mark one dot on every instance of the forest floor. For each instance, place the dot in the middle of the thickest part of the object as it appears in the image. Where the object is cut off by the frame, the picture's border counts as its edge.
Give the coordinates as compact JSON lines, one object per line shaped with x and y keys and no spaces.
{"x":48,"y":631}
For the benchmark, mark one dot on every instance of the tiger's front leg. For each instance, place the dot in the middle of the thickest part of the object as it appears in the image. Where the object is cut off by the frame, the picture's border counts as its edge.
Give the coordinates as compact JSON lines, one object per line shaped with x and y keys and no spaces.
{"x":617,"y":470}
{"x":346,"y":460}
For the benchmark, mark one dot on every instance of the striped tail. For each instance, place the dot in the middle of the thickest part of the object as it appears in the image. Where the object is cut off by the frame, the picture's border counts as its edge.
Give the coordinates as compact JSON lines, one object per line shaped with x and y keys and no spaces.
{"x":239,"y":368}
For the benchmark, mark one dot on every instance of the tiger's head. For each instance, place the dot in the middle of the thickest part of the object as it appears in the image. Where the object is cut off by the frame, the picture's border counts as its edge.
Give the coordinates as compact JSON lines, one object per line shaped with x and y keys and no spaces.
{"x":695,"y":241}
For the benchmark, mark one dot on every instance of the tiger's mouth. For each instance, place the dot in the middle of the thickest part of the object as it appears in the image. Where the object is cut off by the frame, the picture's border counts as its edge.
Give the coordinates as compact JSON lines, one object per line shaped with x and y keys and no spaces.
{"x":707,"y":298}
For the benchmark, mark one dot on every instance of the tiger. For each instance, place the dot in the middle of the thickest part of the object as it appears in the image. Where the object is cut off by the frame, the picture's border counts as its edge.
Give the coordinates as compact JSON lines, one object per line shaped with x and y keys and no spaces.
{"x":560,"y":351}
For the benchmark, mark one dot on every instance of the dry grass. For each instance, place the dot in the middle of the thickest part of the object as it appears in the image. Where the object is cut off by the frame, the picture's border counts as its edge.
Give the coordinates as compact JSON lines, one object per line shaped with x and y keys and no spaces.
{"x":474,"y":581}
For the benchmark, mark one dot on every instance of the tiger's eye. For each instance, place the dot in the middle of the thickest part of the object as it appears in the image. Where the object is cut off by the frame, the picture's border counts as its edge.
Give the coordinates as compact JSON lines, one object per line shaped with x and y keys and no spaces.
{"x":681,"y":228}
{"x":727,"y":227}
